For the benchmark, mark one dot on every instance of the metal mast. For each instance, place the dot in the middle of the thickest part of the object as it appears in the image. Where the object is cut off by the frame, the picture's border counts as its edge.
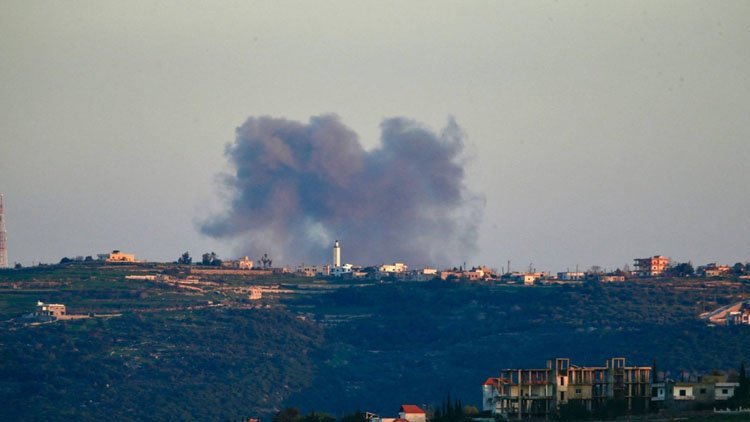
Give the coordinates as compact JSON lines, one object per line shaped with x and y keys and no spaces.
{"x":3,"y":238}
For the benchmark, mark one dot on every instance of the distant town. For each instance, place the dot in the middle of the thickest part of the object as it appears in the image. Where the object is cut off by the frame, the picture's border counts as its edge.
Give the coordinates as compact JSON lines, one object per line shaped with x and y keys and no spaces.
{"x":657,"y":266}
{"x":652,"y":268}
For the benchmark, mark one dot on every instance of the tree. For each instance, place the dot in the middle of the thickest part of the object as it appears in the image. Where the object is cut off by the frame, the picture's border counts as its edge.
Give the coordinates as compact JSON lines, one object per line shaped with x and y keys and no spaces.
{"x":684,"y":269}
{"x":265,"y":261}
{"x":742,"y":393}
{"x":573,"y":410}
{"x":210,"y":259}
{"x":357,"y":416}
{"x":470,"y":410}
{"x":65,"y":260}
{"x":185,"y":259}
{"x":318,"y":417}
{"x":290,"y":414}
{"x":611,"y":409}
{"x":453,"y":411}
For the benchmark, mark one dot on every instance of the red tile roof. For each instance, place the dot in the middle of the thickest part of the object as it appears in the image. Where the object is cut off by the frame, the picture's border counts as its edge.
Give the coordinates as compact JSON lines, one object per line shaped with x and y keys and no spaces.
{"x":490,"y":381}
{"x":411,"y":408}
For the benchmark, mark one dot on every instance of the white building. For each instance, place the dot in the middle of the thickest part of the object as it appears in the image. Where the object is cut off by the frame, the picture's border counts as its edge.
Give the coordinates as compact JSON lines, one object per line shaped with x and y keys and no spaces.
{"x":530,"y":278}
{"x":395,"y":268}
{"x":683,"y":391}
{"x":725,"y":390}
{"x":341,"y":270}
{"x":571,"y":275}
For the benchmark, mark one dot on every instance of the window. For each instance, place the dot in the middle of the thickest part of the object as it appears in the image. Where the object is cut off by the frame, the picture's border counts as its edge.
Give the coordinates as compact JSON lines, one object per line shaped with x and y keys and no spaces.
{"x":578,"y":391}
{"x":703,"y":391}
{"x":724,"y":391}
{"x":683,"y":393}
{"x":562,"y":380}
{"x":562,"y":395}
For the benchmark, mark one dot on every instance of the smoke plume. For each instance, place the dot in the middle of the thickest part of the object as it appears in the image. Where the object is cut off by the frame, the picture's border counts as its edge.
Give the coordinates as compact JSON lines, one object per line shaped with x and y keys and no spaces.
{"x":297,"y":187}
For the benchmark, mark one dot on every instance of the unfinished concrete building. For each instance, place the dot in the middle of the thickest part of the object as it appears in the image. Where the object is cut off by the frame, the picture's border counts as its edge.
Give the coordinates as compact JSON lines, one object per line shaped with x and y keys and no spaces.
{"x":53,"y":310}
{"x":537,"y":393}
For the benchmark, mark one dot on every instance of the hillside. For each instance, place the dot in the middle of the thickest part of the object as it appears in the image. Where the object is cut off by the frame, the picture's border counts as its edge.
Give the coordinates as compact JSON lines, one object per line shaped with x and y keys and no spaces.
{"x":419,"y":342}
{"x":325,"y":346}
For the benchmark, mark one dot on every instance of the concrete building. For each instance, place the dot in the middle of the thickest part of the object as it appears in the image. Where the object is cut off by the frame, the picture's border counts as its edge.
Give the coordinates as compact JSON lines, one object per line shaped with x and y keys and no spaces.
{"x":255,"y":293}
{"x":476,"y":274}
{"x":397,"y":269}
{"x":651,"y":267}
{"x":571,"y":275}
{"x":341,"y":271}
{"x":706,"y":391}
{"x":530,"y":278}
{"x":611,"y":278}
{"x":425,"y":274}
{"x":714,"y":270}
{"x":537,"y":393}
{"x":313,"y":270}
{"x":116,"y":256}
{"x":244,"y":263}
{"x":54,"y":310}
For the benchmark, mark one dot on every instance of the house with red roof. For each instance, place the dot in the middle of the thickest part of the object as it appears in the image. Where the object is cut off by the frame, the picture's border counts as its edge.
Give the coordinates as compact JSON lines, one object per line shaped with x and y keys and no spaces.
{"x":411,"y":413}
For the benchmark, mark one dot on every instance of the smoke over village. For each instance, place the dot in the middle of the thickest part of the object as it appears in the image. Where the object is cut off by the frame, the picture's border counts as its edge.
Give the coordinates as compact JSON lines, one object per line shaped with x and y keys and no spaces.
{"x":295,"y":187}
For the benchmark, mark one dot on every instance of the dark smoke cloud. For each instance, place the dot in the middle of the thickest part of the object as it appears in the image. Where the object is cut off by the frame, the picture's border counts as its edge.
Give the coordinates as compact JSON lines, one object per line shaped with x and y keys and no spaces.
{"x":297,"y":187}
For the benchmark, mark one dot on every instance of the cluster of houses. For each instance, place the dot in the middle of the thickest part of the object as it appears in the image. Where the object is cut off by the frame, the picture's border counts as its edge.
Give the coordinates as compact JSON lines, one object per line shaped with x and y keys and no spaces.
{"x":650,"y":267}
{"x":654,"y":266}
{"x":539,"y":392}
{"x":397,"y":270}
{"x":737,"y":313}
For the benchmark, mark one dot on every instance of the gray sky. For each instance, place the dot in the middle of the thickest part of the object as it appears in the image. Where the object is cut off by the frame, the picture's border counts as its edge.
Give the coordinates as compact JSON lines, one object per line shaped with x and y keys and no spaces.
{"x":598,"y":131}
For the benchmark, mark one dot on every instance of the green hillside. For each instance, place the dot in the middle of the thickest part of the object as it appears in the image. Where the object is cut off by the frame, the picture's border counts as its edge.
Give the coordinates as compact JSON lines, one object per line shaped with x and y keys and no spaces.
{"x":175,"y":353}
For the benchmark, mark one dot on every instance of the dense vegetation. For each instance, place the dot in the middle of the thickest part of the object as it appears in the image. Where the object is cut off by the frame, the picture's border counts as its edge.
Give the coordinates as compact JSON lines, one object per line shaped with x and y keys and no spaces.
{"x":413,"y":343}
{"x":204,"y":365}
{"x":370,"y":346}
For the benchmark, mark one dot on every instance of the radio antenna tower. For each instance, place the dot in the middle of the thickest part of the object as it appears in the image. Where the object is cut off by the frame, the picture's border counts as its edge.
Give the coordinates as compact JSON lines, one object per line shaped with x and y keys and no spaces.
{"x":3,"y":238}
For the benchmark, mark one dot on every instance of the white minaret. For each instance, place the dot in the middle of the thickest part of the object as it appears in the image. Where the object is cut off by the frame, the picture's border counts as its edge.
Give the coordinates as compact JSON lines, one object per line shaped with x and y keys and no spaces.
{"x":3,"y":238}
{"x":336,"y":254}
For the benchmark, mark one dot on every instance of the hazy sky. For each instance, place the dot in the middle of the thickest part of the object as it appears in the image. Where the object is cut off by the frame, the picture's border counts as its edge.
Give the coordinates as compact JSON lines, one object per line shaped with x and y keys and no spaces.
{"x":596,"y":131}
